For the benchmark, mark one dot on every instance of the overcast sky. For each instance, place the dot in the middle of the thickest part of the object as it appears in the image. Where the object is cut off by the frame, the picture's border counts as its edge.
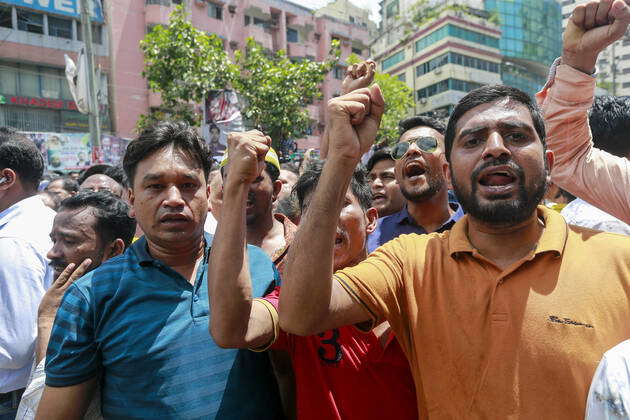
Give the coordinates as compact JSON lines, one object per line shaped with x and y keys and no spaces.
{"x":366,"y":4}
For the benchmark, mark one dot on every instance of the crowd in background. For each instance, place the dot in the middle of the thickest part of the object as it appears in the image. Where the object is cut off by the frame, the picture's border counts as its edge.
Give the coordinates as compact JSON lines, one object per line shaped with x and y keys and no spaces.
{"x":474,"y":268}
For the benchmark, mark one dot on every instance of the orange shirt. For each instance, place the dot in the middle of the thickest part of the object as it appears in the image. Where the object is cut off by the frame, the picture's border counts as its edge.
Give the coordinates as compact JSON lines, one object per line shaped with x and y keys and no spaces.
{"x":484,"y":343}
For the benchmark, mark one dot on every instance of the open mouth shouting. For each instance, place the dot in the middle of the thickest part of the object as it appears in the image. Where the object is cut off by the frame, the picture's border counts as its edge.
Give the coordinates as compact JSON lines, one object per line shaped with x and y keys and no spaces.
{"x":498,"y":181}
{"x":378,"y":198}
{"x":414,"y":170}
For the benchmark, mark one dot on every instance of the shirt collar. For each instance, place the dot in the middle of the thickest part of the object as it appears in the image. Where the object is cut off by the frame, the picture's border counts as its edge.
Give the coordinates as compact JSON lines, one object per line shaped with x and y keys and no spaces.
{"x":139,"y":247}
{"x":8,"y":214}
{"x":553,"y":238}
{"x":403,"y":215}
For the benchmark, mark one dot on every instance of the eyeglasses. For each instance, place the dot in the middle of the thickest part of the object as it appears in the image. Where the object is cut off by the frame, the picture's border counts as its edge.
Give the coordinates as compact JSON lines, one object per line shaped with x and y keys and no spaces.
{"x":426,"y":144}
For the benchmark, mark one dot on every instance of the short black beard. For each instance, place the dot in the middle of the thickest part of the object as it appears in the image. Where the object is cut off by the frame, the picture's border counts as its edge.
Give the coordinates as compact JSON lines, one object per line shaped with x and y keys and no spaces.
{"x":502,"y":212}
{"x":434,"y":184}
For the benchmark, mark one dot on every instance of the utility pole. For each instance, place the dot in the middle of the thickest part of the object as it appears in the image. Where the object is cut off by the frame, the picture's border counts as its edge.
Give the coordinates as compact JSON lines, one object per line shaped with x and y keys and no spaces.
{"x":94,"y":111}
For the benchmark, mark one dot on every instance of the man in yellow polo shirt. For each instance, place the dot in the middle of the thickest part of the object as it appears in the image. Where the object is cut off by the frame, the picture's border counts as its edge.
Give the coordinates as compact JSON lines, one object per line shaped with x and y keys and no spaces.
{"x":505,"y":316}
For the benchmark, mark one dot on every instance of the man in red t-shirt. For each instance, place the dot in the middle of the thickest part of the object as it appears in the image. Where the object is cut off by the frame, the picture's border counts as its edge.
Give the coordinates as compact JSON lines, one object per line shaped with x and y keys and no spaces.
{"x":340,"y":374}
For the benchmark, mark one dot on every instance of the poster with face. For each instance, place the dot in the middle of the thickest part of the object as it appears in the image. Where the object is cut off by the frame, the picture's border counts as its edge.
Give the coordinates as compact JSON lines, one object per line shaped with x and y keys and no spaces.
{"x":222,"y":115}
{"x":63,"y":151}
{"x":113,"y":149}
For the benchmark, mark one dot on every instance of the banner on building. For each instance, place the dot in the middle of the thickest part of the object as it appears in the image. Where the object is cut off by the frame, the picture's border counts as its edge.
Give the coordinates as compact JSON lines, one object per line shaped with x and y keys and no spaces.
{"x":70,"y":8}
{"x":222,"y":115}
{"x":72,"y":151}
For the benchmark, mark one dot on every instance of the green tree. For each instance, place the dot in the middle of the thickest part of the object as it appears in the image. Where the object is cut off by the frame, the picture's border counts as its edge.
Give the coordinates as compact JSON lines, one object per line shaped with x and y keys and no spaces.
{"x":277,"y":90}
{"x":398,"y":102}
{"x":183,"y":63}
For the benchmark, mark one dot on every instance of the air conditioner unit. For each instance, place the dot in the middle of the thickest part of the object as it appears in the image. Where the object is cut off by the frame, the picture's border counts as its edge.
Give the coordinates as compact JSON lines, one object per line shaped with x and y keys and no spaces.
{"x":438,"y":70}
{"x":423,"y":101}
{"x":200,"y":2}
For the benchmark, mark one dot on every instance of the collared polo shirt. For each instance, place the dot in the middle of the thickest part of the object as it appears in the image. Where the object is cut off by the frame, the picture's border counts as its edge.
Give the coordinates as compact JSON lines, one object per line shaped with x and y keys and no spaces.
{"x":145,"y":329}
{"x":401,"y":223}
{"x":482,"y":342}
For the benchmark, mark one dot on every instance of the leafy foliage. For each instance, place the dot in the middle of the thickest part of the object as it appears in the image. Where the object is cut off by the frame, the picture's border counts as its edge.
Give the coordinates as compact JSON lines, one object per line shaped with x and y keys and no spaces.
{"x":398,"y":102}
{"x":183,"y":63}
{"x":277,"y":90}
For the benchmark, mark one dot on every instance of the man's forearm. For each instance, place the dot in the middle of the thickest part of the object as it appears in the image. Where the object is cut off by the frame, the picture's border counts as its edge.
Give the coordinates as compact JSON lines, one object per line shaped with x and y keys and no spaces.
{"x":44,"y":328}
{"x":229,"y":280}
{"x":586,"y":172}
{"x":307,"y":286}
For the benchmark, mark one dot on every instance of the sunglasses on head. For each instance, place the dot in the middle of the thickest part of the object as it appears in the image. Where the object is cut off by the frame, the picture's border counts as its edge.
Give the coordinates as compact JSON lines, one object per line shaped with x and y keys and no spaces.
{"x":426,"y":144}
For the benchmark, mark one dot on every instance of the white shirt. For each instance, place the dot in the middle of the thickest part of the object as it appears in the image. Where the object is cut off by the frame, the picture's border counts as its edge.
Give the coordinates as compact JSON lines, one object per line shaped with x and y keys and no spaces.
{"x":580,"y":213}
{"x":24,"y":276}
{"x":609,"y":396}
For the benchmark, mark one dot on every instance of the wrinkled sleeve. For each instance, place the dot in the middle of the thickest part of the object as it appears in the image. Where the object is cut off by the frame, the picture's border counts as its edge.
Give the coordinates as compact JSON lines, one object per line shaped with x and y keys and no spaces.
{"x":72,"y":356}
{"x":595,"y":176}
{"x":22,"y":285}
{"x":609,"y":396}
{"x":377,"y":282}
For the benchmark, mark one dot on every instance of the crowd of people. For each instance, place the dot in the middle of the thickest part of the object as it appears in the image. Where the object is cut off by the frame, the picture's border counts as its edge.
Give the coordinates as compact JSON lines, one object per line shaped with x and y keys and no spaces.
{"x":478,"y":268}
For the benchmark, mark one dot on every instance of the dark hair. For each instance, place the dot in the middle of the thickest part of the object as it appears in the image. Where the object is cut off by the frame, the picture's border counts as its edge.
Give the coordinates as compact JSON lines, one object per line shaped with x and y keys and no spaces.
{"x":114,"y":172}
{"x":69,"y":184}
{"x":289,"y":167}
{"x":609,"y":118}
{"x":421,"y":121}
{"x":111,"y":213}
{"x":274,"y":172}
{"x":20,"y":154}
{"x":379,"y":155}
{"x":182,"y":136}
{"x":489,"y":94}
{"x":307,"y":182}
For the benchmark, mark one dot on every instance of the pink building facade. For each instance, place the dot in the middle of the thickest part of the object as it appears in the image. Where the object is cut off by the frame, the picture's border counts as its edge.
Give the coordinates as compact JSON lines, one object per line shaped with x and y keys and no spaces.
{"x":37,"y":33}
{"x":276,"y":24}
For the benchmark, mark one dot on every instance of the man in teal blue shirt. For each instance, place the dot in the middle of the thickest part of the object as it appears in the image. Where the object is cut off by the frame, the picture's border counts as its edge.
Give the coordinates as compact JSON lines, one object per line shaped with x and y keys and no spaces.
{"x":139,"y":322}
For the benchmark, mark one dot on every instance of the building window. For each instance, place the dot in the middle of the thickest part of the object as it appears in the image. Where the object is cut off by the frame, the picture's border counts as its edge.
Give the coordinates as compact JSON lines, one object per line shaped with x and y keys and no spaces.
{"x":457,"y":32}
{"x":444,"y":85}
{"x":30,"y":21}
{"x":8,"y":80}
{"x":292,"y":35}
{"x":625,"y":85}
{"x":357,"y":51}
{"x":247,"y":20}
{"x":59,"y":27}
{"x":166,"y":3}
{"x":402,"y":77}
{"x":393,"y":60}
{"x":455,"y":58}
{"x":338,"y":73}
{"x":351,"y":19}
{"x":6,"y":20}
{"x":215,"y":11}
{"x":97,"y":33}
{"x":391,"y":9}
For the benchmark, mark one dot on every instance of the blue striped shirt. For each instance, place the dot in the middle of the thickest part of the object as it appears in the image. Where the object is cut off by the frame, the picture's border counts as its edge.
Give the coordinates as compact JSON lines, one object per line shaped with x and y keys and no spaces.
{"x":144,"y":328}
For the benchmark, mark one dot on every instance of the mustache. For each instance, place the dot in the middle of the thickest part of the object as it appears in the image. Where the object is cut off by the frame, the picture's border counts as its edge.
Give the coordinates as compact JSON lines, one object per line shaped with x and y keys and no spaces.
{"x":58,"y":263}
{"x":498,"y":162}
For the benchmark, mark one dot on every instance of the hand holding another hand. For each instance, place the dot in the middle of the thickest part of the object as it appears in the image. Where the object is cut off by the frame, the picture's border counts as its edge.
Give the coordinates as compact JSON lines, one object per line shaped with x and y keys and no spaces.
{"x":353,"y":121}
{"x":358,"y":76}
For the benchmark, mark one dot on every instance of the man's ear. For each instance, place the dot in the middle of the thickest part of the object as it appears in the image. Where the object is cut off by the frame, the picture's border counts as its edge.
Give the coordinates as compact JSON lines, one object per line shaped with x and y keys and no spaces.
{"x":8,"y":177}
{"x":132,"y":197}
{"x":372,"y":215}
{"x":277,"y":187}
{"x":549,"y":160}
{"x":447,"y":175}
{"x":115,"y":248}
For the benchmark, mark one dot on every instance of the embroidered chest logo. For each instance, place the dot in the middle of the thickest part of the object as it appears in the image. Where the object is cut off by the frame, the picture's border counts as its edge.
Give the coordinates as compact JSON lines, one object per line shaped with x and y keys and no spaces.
{"x":330,"y":346}
{"x":568,"y":321}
